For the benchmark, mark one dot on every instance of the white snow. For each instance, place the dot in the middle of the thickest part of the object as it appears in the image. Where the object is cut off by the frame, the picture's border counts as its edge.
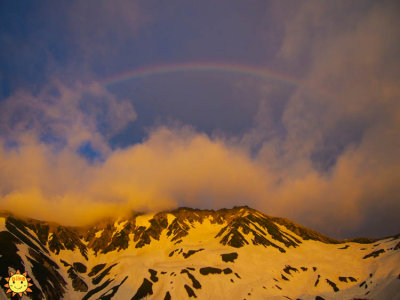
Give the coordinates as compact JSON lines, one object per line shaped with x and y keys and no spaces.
{"x":143,"y":220}
{"x":260,"y":268}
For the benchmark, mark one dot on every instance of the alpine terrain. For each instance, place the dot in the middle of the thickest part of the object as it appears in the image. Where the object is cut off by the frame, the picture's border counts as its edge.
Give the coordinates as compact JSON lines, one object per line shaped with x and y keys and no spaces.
{"x":237,"y":253}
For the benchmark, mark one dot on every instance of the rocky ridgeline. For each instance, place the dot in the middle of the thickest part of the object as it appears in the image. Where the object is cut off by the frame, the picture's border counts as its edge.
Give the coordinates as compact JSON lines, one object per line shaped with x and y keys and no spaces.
{"x":43,"y":243}
{"x":238,"y":223}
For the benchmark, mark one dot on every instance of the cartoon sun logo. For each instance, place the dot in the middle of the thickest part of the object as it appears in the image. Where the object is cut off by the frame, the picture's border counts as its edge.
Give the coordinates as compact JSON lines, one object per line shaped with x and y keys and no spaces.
{"x":18,"y":284}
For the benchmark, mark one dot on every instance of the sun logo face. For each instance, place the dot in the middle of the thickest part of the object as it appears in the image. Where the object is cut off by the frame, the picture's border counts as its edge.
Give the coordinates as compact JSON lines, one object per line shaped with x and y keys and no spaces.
{"x":18,"y":284}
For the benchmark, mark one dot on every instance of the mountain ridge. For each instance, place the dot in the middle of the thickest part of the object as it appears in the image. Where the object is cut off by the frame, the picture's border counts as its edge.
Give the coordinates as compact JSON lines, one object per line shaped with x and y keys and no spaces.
{"x":172,"y":254}
{"x":302,"y":230}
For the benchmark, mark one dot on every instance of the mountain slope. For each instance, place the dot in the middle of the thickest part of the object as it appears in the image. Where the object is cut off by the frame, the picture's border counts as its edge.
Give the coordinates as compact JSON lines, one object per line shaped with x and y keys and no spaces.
{"x":236,"y":253}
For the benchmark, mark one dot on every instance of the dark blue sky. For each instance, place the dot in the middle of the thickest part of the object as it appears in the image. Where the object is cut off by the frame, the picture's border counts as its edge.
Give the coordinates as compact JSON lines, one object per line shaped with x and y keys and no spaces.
{"x":325,"y":133}
{"x":91,"y":41}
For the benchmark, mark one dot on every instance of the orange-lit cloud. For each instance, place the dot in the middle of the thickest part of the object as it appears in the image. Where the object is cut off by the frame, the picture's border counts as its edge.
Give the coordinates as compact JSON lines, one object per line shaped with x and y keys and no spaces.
{"x":182,"y":168}
{"x":282,"y":174}
{"x":171,"y":168}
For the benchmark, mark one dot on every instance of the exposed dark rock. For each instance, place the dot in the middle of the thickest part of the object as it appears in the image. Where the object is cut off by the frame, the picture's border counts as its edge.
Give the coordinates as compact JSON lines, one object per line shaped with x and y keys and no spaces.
{"x":96,"y":269}
{"x":287,"y":270}
{"x":45,"y":271}
{"x":80,"y":267}
{"x":153,"y":275}
{"x":242,"y":226}
{"x":77,"y":282}
{"x":65,"y":263}
{"x":397,"y":247}
{"x":185,"y":217}
{"x":333,"y":285}
{"x":111,"y":292}
{"x":191,"y":252}
{"x":41,"y":229}
{"x":227,"y":271}
{"x":317,"y":281}
{"x":101,"y":243}
{"x":97,"y":289}
{"x":278,"y":286}
{"x":233,"y":238}
{"x":158,"y":223}
{"x":99,"y":277}
{"x":210,"y":270}
{"x":374,"y":254}
{"x":352,"y":279}
{"x":120,"y":240}
{"x":251,"y":221}
{"x":144,"y":290}
{"x":345,"y":279}
{"x":229,"y":257}
{"x":284,"y":278}
{"x":190,"y":291}
{"x":178,"y":229}
{"x":64,"y":238}
{"x":195,"y":283}
{"x":45,"y":268}
{"x":79,"y":285}
{"x":18,"y":229}
{"x":167,"y":296}
{"x":319,"y":298}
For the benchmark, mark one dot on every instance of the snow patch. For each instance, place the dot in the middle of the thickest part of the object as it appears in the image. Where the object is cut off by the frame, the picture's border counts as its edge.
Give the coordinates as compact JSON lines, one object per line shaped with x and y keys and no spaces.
{"x":99,"y":233}
{"x":143,"y":220}
{"x":119,"y":226}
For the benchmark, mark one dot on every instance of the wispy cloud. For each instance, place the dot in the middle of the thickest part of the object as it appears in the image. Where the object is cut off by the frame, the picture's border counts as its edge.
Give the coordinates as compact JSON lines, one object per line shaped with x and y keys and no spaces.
{"x":329,"y":161}
{"x":65,"y":116}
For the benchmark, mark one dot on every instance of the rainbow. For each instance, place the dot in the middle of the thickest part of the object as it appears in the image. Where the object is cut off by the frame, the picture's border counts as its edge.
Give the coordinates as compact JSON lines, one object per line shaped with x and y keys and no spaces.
{"x":207,"y":67}
{"x":198,"y":67}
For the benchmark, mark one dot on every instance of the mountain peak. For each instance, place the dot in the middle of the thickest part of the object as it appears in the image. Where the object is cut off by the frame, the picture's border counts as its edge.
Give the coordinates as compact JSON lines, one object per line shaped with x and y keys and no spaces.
{"x":167,"y":248}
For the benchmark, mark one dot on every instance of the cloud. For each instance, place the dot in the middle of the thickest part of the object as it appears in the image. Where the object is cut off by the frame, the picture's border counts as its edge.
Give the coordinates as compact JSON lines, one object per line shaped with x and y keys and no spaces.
{"x":101,"y":28}
{"x":179,"y":167}
{"x":327,"y":160}
{"x":337,"y":160}
{"x":172,"y":168}
{"x":65,"y":116}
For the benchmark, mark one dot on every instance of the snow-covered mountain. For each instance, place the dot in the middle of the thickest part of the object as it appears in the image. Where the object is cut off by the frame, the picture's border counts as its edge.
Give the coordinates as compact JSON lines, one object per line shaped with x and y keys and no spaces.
{"x":237,"y":253}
